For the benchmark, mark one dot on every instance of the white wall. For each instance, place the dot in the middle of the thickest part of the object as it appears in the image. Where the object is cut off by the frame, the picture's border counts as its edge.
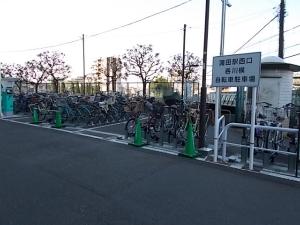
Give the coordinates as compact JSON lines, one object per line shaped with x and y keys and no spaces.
{"x":276,"y":87}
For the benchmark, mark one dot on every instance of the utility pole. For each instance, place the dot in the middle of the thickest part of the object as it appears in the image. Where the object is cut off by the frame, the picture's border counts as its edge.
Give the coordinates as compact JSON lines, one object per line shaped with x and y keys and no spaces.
{"x":83,"y":65}
{"x":201,"y":140}
{"x":281,"y":29}
{"x":114,"y":74}
{"x":107,"y":73}
{"x":183,"y":62}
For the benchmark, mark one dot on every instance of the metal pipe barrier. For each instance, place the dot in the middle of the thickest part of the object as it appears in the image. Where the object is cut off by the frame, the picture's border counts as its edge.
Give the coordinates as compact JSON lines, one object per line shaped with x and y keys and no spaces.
{"x":224,"y":134}
{"x":217,"y":135}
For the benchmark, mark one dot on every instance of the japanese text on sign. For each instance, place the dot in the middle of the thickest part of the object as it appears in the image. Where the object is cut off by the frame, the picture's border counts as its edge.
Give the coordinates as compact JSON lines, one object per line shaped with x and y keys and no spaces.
{"x":236,"y":70}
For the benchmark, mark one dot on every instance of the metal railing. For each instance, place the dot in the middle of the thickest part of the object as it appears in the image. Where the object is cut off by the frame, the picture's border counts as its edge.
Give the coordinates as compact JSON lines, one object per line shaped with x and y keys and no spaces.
{"x":217,"y":135}
{"x":224,"y":134}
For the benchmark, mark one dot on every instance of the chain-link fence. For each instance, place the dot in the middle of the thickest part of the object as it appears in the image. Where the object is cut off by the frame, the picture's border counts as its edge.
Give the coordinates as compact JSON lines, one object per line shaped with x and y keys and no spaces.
{"x":153,"y":89}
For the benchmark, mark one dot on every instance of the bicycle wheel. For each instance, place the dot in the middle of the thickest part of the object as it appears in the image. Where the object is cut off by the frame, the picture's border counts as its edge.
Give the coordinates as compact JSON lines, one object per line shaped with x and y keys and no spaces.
{"x":155,"y":123}
{"x":85,"y":115}
{"x":181,"y":132}
{"x":109,"y":117}
{"x":130,"y":127}
{"x":114,"y":115}
{"x":32,"y":107}
{"x":169,"y":122}
{"x":102,"y":117}
{"x":277,"y":140}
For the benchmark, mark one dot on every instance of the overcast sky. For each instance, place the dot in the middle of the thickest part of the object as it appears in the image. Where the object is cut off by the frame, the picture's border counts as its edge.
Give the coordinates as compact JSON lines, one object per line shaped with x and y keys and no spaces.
{"x":38,"y":23}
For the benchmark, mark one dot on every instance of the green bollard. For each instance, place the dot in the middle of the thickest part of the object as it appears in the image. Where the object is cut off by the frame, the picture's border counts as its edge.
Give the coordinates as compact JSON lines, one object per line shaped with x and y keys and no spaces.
{"x":35,"y":116}
{"x":58,"y":122}
{"x":189,"y":150}
{"x":138,"y":139}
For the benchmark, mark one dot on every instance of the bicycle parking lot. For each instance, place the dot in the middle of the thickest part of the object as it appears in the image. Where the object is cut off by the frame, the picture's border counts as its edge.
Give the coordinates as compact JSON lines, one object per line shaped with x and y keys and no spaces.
{"x":116,"y":132}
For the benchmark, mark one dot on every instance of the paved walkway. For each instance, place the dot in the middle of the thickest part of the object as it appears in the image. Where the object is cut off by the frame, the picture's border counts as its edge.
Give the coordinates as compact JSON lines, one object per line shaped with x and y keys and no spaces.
{"x":52,"y":177}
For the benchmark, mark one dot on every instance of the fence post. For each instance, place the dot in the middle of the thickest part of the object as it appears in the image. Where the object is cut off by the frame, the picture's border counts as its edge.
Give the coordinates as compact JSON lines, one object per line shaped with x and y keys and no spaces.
{"x":244,"y":150}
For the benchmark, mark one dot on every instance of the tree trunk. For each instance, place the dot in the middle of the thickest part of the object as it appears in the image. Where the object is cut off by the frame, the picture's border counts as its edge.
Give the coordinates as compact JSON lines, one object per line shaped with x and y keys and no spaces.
{"x":114,"y":86}
{"x":144,"y":88}
{"x":63,"y":88}
{"x":107,"y":84}
{"x":19,"y":85}
{"x":72,"y":88}
{"x":55,"y":84}
{"x":36,"y":86}
{"x":114,"y":74}
{"x":107,"y":73}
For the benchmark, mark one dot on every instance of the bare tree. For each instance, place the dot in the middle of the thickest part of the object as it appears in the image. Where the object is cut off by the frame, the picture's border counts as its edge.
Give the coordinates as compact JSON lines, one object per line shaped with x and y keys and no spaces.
{"x":16,"y":71}
{"x":54,"y":65}
{"x":140,"y":61}
{"x":98,"y":70}
{"x":98,"y":73}
{"x":36,"y":73}
{"x":110,"y":69}
{"x":116,"y":72}
{"x":47,"y":65}
{"x":4,"y":69}
{"x":191,"y":67}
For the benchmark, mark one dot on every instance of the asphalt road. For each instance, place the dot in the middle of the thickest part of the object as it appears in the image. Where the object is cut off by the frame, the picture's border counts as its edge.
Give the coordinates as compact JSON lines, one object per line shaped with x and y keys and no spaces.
{"x":52,"y":177}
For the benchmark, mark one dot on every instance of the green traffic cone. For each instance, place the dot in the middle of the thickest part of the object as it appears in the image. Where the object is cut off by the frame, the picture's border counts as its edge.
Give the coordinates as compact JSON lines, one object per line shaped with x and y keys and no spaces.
{"x":58,"y":121}
{"x":138,"y":140}
{"x":189,"y":149}
{"x":35,"y":116}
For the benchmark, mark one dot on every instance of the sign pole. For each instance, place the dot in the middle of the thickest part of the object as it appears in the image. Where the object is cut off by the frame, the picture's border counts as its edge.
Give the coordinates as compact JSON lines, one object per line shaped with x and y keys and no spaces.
{"x":253,"y":112}
{"x":239,"y":70}
{"x":216,"y":130}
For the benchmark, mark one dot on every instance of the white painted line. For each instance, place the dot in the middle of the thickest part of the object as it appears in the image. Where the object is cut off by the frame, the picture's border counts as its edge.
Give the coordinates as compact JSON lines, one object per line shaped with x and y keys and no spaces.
{"x":201,"y":159}
{"x":91,"y":136}
{"x":270,"y":173}
{"x":107,"y":125}
{"x":237,"y":166}
{"x":102,"y":126}
{"x":15,"y":117}
{"x":19,"y":122}
{"x":119,"y":141}
{"x":160,"y":150}
{"x":81,"y":130}
{"x":38,"y":125}
{"x":100,"y":132}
